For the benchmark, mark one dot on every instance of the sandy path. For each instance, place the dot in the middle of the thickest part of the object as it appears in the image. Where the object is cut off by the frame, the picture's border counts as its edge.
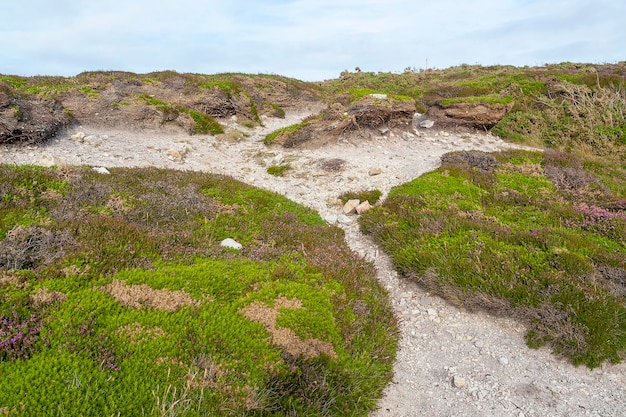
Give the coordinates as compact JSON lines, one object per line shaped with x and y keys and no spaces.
{"x":450,"y":362}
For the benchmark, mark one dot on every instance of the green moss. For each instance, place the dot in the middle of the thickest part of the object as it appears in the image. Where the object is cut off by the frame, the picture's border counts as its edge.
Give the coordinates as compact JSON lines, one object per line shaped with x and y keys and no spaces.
{"x":278,"y":170}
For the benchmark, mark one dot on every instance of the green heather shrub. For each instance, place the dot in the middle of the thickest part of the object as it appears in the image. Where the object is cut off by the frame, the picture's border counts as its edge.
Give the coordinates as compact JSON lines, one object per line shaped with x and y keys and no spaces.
{"x":372,"y":196}
{"x":508,"y":238}
{"x":116,"y":298}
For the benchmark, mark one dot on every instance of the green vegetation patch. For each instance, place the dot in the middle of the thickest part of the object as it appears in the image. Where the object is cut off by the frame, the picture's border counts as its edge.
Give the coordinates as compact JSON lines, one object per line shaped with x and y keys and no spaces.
{"x":371,"y":196}
{"x":517,"y":233}
{"x":116,"y":298}
{"x":278,"y":170}
{"x":204,"y":124}
{"x":477,"y":99}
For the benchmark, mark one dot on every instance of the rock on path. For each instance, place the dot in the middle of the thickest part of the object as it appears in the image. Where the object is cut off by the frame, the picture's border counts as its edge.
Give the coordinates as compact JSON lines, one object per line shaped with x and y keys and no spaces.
{"x":450,"y":362}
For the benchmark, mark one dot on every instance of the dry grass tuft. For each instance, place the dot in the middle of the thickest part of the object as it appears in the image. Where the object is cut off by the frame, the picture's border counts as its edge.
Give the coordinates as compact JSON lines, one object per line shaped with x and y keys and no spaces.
{"x":137,"y":333}
{"x":286,"y":338}
{"x":143,"y":296}
{"x":42,"y":296}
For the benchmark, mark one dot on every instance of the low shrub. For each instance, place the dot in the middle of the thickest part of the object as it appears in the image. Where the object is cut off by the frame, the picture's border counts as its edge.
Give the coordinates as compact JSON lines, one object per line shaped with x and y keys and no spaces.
{"x":372,"y":196}
{"x":513,"y":241}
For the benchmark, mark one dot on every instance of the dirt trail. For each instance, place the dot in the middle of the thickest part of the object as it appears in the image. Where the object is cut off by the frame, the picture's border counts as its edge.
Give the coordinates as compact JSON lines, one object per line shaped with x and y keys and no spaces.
{"x":450,"y":362}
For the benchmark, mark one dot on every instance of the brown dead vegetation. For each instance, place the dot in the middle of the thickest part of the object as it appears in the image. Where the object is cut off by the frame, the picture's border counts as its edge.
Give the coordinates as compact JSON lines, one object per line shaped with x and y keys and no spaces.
{"x":286,"y":338}
{"x":143,"y":296}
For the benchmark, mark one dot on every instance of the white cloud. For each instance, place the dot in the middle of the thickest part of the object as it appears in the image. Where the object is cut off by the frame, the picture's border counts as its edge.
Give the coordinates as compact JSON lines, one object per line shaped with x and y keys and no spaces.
{"x":303,"y":38}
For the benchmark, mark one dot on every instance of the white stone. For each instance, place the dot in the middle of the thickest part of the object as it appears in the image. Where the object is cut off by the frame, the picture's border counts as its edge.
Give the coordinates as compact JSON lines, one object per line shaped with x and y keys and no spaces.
{"x":375,"y":171}
{"x":231,"y":243}
{"x":458,"y":382}
{"x":350,"y":206}
{"x":379,"y":96}
{"x":363,"y":207}
{"x":384,"y":130}
{"x":427,"y":123}
{"x":503,"y":361}
{"x":101,"y":170}
{"x":78,"y":137}
{"x":47,"y":160}
{"x":92,"y":140}
{"x":174,"y":155}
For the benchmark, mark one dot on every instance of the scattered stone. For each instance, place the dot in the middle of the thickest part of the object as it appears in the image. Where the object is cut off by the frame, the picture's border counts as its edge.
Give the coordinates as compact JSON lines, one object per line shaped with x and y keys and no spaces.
{"x":332,"y":219}
{"x":408,"y":136}
{"x":503,"y":361}
{"x":174,"y":155}
{"x":384,"y":130}
{"x":458,"y":382}
{"x":427,"y":124}
{"x":363,"y":207}
{"x":78,"y":137}
{"x":375,"y":171}
{"x":379,"y":96}
{"x":231,"y":243}
{"x":92,"y":140}
{"x":47,"y":161}
{"x":334,"y":202}
{"x":101,"y":170}
{"x":345,"y":219}
{"x":350,"y":206}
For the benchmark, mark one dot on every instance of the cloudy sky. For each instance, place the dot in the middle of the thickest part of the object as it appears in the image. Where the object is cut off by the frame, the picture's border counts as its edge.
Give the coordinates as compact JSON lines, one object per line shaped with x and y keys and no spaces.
{"x":306,"y":39}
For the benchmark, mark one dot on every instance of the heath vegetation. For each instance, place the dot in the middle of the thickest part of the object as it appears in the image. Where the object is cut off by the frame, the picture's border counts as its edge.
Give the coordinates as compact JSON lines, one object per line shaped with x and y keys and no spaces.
{"x":117,"y":298}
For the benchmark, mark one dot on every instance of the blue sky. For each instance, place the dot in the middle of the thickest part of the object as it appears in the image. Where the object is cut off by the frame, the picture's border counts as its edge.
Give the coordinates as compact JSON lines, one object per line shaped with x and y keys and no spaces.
{"x":307,"y":39}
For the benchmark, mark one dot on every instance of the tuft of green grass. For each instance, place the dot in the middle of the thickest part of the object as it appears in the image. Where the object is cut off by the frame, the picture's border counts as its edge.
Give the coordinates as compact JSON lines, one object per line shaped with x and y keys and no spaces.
{"x":278,"y":170}
{"x":531,"y":236}
{"x":205,"y":123}
{"x":372,"y":196}
{"x":121,"y":300}
{"x":269,"y":138}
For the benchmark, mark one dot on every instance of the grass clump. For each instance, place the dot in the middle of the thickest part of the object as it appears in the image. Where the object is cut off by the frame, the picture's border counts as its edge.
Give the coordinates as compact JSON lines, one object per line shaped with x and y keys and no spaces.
{"x":372,"y":196}
{"x":288,"y":134}
{"x":117,"y":298}
{"x":278,"y":170}
{"x":509,"y":234}
{"x":573,"y":118}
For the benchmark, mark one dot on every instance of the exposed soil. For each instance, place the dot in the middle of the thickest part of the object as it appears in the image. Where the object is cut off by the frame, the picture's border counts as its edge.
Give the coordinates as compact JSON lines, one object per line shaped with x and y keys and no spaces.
{"x":450,"y":362}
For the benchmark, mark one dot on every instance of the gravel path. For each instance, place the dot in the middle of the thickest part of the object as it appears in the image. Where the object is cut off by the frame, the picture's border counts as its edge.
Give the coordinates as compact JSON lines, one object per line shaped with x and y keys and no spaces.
{"x":450,"y":362}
